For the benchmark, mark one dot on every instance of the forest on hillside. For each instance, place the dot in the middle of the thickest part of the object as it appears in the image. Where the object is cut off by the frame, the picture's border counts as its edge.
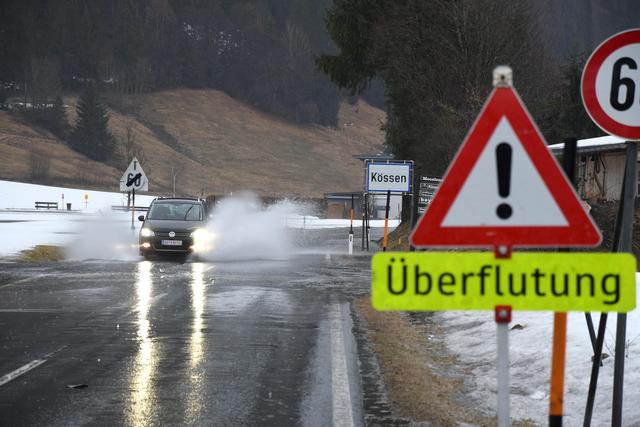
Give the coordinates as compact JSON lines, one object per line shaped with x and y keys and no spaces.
{"x":259,"y":51}
{"x":428,"y":63}
{"x":436,"y":59}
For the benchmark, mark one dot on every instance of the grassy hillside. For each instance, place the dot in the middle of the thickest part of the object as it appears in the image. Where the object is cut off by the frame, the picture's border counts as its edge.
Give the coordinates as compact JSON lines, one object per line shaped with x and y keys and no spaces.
{"x":214,"y":142}
{"x":19,"y":142}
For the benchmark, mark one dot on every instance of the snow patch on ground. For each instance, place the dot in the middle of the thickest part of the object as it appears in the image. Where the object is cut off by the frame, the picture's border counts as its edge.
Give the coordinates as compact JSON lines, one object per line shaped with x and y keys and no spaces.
{"x":313,"y":222}
{"x":93,"y":230}
{"x":90,"y":230}
{"x":18,"y":195}
{"x":472,"y":336}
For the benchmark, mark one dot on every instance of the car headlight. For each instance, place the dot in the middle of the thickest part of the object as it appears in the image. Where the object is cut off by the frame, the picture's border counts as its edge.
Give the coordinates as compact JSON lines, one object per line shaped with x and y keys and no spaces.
{"x":147,"y":232}
{"x":202,"y":240}
{"x":200,"y":234}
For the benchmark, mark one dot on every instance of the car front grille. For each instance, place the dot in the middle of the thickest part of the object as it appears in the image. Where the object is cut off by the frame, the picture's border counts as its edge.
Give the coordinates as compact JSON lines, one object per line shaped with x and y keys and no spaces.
{"x":179,"y":235}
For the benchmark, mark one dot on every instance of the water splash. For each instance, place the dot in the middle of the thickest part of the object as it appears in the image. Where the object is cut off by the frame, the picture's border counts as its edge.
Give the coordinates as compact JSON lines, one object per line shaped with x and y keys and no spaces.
{"x":241,"y":227}
{"x":104,"y":236}
{"x":245,"y":230}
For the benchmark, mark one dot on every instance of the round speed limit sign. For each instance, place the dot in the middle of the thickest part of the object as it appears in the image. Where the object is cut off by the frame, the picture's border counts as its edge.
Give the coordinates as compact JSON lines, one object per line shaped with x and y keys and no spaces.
{"x":611,"y":85}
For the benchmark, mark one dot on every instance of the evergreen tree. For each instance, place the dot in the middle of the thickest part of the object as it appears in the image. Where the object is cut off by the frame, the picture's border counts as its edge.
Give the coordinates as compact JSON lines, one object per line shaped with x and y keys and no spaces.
{"x":91,"y":135}
{"x":51,"y":117}
{"x":436,"y":65}
{"x":57,"y":119}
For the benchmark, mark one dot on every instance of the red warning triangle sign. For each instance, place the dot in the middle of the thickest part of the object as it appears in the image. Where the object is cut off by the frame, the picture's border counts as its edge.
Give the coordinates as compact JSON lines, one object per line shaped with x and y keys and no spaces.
{"x":504,"y":188}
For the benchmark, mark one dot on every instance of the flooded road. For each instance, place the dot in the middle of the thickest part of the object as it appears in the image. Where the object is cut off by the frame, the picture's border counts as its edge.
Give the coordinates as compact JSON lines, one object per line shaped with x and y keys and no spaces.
{"x":166,"y":343}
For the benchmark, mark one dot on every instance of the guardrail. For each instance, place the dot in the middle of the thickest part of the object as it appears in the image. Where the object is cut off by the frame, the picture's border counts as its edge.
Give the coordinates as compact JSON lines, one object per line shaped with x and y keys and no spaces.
{"x":128,"y":208}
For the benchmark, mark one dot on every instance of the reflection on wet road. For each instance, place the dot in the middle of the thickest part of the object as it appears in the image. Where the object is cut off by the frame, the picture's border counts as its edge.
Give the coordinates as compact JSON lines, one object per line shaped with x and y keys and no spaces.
{"x":166,"y":343}
{"x":142,"y":379}
{"x":197,"y":374}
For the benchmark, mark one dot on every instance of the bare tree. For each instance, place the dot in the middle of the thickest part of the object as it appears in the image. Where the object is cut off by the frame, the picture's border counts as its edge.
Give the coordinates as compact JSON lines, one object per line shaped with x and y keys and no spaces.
{"x":176,"y":170}
{"x":131,"y":148}
{"x":40,"y":167}
{"x":129,"y":145}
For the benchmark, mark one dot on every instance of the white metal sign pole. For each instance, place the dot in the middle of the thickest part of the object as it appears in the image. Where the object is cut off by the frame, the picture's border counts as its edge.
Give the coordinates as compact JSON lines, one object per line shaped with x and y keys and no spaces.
{"x":133,"y":208}
{"x":503,"y":76}
{"x":503,"y":317}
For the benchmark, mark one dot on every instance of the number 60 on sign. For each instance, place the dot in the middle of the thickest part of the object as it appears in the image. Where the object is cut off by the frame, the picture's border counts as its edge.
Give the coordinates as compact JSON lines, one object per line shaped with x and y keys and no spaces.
{"x":611,"y":85}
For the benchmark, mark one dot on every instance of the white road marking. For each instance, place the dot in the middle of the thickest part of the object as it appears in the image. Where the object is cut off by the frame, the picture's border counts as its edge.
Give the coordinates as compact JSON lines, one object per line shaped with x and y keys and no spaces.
{"x":26,"y":368}
{"x":21,"y":370}
{"x":341,"y":391}
{"x":28,"y":279}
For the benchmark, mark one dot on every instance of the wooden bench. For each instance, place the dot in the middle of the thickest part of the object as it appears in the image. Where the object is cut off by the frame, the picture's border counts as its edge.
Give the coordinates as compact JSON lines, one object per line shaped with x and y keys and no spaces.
{"x":46,"y":205}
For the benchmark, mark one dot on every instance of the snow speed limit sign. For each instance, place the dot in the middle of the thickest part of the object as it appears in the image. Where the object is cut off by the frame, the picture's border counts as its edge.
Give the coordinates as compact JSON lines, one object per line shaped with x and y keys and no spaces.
{"x":611,"y":85}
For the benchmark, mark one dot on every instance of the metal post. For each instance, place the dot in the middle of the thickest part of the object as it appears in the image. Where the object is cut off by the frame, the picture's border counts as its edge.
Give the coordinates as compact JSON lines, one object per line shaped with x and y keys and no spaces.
{"x":595,"y":369}
{"x":173,"y":177}
{"x":364,"y":209}
{"x":385,"y":239}
{"x":503,"y":317}
{"x":351,"y":227}
{"x":133,"y":208}
{"x":304,"y":227}
{"x":351,"y":215}
{"x":618,"y":369}
{"x":415,"y":198}
{"x":366,"y":220}
{"x":627,"y":207}
{"x":558,"y":355}
{"x":597,"y":356}
{"x":621,"y":243}
{"x":556,"y":397}
{"x":592,"y":332}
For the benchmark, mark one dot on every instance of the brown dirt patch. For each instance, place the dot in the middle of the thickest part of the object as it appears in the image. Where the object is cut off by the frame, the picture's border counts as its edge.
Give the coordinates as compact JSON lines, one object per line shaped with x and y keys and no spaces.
{"x":411,"y":367}
{"x":399,"y":238}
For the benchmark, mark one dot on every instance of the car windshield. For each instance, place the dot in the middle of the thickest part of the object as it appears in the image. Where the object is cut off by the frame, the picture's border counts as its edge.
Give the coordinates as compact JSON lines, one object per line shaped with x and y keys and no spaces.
{"x":176,"y":211}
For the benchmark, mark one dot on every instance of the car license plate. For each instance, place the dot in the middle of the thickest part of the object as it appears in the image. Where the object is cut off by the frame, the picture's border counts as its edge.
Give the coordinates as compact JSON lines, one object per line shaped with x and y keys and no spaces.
{"x":171,"y":242}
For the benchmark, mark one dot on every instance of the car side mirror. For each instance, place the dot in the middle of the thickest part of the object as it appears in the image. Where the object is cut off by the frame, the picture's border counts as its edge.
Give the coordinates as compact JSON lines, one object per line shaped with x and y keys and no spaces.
{"x":141,"y":218}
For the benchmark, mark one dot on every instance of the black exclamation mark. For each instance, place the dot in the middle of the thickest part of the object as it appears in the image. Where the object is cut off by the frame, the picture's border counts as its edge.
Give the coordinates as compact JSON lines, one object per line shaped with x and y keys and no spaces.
{"x":503,"y":160}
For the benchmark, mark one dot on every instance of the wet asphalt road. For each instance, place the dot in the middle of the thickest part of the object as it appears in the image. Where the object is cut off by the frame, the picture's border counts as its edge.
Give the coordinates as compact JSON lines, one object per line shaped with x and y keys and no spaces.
{"x":193,"y":343}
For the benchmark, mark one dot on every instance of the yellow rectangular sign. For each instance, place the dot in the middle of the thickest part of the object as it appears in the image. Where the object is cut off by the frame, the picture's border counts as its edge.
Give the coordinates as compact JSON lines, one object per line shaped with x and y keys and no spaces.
{"x":550,"y":281}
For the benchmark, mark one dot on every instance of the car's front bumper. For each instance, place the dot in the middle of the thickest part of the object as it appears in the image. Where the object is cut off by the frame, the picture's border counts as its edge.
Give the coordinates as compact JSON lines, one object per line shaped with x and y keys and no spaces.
{"x":160,"y":244}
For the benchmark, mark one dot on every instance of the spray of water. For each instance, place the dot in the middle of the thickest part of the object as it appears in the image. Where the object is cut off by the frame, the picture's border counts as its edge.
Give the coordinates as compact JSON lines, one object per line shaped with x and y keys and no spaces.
{"x":243,"y":229}
{"x":104,"y":236}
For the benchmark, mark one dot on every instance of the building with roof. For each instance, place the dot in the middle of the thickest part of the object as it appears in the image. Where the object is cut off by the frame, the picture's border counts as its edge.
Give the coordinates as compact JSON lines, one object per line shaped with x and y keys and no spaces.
{"x":600,"y":167}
